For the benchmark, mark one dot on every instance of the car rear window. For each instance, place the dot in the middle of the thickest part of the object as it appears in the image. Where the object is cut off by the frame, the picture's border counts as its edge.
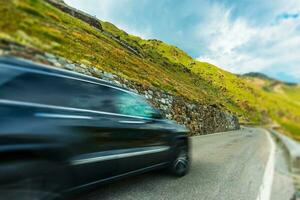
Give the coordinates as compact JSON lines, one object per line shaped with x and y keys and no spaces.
{"x":26,"y":86}
{"x":134,"y":105}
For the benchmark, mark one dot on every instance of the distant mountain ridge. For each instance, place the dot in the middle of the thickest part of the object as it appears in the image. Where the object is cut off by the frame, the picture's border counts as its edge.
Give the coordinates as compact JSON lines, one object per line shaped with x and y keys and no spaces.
{"x":266,"y":77}
{"x":258,"y":75}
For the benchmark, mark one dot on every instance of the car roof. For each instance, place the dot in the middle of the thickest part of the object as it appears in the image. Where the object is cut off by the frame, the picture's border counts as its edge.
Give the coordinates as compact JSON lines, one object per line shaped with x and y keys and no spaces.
{"x":28,"y":64}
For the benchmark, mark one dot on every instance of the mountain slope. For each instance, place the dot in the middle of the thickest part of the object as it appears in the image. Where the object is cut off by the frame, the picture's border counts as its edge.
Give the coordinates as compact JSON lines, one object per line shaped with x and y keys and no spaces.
{"x":287,"y":92}
{"x":150,"y":62}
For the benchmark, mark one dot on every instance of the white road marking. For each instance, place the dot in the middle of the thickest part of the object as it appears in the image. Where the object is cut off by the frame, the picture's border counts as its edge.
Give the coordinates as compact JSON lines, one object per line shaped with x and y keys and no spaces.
{"x":266,"y":186}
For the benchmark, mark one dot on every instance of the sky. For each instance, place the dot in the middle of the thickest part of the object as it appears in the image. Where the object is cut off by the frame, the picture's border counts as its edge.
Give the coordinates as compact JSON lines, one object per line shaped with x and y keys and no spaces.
{"x":239,"y":36}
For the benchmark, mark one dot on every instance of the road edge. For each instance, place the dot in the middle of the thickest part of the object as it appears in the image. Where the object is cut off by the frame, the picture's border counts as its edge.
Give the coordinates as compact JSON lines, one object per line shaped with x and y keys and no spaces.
{"x":292,"y":150}
{"x":266,"y":186}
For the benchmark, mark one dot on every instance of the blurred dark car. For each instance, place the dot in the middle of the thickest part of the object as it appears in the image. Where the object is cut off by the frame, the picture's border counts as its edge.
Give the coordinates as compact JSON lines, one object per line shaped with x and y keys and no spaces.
{"x":61,"y":131}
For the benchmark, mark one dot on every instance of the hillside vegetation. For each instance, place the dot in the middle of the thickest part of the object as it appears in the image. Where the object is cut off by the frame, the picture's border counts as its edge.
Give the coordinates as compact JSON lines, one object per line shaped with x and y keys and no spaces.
{"x":37,"y":24}
{"x":288,"y":91}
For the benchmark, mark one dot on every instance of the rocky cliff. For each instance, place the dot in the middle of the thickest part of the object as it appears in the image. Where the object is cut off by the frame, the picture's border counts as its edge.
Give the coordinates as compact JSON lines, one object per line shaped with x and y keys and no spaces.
{"x":93,"y":21}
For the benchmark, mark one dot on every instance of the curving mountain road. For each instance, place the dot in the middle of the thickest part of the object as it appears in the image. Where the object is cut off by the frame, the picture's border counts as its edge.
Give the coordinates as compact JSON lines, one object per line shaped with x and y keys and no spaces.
{"x":224,"y":166}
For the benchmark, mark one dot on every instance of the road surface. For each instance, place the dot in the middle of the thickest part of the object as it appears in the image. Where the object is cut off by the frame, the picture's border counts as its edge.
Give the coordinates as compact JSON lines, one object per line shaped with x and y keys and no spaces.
{"x":225,"y":166}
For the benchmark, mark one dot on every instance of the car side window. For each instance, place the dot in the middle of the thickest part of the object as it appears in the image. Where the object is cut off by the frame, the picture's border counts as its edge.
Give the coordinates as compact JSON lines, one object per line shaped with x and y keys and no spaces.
{"x":19,"y":85}
{"x":130,"y":104}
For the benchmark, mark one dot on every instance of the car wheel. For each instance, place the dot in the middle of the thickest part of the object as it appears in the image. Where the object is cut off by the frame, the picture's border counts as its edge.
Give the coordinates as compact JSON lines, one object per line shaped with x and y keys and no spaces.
{"x":181,"y":164}
{"x":35,"y":181}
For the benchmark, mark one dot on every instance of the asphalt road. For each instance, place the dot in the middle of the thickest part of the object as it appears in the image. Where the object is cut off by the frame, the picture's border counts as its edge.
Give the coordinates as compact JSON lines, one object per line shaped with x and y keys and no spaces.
{"x":224,"y":166}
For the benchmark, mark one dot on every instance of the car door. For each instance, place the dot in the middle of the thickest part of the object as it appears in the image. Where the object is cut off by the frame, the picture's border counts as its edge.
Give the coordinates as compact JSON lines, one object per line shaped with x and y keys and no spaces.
{"x":145,"y":139}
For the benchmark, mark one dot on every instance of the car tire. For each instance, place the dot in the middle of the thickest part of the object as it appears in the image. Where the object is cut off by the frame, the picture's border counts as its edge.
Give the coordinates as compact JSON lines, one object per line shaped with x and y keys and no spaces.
{"x":38,"y":180}
{"x":181,"y":163}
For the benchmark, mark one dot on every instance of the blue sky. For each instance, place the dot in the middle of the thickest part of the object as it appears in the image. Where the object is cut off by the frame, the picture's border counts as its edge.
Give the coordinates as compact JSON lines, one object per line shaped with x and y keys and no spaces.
{"x":238,"y":36}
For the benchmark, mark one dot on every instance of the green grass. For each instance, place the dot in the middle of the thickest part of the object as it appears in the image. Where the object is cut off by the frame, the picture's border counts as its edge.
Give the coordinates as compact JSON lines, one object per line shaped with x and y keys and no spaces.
{"x":37,"y":24}
{"x":292,"y":92}
{"x":291,"y":129}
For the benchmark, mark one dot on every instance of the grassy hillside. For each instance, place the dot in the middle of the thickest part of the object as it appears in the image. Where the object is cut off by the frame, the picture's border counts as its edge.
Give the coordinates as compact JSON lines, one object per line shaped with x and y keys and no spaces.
{"x":37,"y":24}
{"x":290,"y":92}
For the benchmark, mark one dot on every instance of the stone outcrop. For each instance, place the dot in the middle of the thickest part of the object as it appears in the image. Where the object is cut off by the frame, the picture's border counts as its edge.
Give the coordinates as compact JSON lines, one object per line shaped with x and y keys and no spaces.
{"x":93,"y":21}
{"x":198,"y":118}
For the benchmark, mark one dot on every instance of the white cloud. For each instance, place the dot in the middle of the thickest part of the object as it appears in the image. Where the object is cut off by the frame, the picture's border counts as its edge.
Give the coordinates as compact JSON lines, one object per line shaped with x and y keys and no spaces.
{"x":103,"y":9}
{"x":145,"y":32}
{"x":239,"y":47}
